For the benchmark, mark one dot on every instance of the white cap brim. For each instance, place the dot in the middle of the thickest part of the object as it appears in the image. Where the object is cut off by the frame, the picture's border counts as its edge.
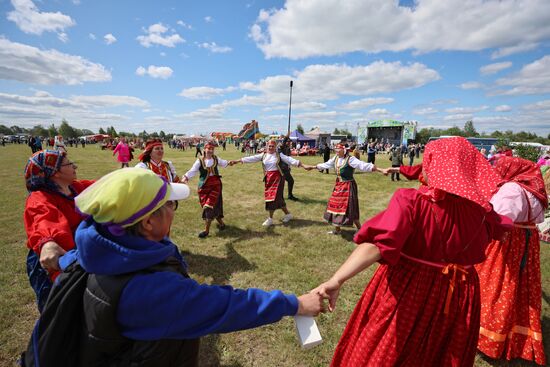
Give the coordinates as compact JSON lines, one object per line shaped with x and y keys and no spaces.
{"x":179,"y":191}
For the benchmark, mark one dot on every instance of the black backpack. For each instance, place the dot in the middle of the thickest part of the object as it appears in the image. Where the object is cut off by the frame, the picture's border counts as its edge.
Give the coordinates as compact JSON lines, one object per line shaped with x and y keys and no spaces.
{"x":57,"y":334}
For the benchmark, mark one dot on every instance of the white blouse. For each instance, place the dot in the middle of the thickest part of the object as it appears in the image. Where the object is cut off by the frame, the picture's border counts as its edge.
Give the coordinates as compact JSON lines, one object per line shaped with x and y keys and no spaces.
{"x":354,"y":162}
{"x":209,"y":162}
{"x":270,"y":160}
{"x":511,"y":202}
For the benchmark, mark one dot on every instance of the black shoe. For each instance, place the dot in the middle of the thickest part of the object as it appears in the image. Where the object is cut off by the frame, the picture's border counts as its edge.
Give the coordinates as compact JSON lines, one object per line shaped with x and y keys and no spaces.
{"x":293,"y":198}
{"x":221,"y":227}
{"x":203,"y":234}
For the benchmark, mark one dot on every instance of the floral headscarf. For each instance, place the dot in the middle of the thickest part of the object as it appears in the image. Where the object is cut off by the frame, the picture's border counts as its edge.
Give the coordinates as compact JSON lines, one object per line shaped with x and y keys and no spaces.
{"x":455,"y":166}
{"x":40,"y":167}
{"x":525,"y":173}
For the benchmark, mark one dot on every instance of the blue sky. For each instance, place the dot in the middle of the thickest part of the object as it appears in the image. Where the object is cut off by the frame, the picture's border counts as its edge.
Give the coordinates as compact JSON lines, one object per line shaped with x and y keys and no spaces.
{"x":212,"y":65}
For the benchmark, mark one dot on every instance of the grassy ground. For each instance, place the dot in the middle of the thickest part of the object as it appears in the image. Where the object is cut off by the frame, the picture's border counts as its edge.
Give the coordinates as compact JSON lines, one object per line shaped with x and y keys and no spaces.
{"x":294,"y":257}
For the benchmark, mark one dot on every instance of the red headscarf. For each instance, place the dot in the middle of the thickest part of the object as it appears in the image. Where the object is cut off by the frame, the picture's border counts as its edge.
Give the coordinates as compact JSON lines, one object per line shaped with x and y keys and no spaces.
{"x":210,"y":143}
{"x":455,"y":166}
{"x":149,"y":147}
{"x":525,"y":173}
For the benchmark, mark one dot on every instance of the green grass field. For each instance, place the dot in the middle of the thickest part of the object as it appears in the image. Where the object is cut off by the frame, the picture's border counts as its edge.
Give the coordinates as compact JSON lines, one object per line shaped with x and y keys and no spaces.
{"x":294,"y":258}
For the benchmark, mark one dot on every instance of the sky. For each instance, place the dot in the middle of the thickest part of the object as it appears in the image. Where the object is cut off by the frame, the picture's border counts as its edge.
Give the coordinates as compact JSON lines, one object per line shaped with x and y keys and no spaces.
{"x":192,"y":67}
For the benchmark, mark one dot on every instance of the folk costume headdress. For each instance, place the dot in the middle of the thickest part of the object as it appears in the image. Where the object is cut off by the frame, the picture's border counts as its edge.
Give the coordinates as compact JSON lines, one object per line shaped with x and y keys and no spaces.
{"x":40,"y":167}
{"x":149,"y":148}
{"x":126,"y":196}
{"x":525,"y":173}
{"x":455,"y":166}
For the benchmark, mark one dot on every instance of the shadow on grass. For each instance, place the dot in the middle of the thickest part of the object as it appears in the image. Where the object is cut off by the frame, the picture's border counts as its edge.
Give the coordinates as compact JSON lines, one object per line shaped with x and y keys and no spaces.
{"x":307,"y":200}
{"x":240,"y":234}
{"x":210,"y":354}
{"x":220,"y":269}
{"x":299,"y":223}
{"x":348,"y":234}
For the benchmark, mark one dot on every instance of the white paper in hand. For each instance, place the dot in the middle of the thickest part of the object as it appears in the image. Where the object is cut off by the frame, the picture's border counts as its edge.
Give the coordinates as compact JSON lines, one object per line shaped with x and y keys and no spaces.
{"x":307,"y":330}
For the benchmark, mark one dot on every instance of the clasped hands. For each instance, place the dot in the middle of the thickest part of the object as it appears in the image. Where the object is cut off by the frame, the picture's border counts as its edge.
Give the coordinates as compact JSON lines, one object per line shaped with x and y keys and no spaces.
{"x":312,"y":303}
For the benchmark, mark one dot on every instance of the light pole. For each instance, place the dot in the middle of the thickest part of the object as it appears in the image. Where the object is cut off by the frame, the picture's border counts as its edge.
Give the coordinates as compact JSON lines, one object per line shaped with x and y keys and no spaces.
{"x":289,"y":109}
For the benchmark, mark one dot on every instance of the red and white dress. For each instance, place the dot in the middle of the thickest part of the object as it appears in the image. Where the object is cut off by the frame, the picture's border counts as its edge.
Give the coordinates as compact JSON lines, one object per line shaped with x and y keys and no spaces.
{"x":511,"y":281}
{"x":273,"y":179}
{"x":422,"y":306}
{"x":165,"y":169}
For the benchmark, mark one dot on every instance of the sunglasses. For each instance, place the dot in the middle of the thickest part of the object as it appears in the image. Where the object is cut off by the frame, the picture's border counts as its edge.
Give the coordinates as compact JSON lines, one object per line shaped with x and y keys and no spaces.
{"x":68,"y":164}
{"x":172,"y":204}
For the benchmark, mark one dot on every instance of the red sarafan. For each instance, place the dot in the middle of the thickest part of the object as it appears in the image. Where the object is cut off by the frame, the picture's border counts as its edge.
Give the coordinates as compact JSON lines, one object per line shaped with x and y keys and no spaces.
{"x":510,"y":278}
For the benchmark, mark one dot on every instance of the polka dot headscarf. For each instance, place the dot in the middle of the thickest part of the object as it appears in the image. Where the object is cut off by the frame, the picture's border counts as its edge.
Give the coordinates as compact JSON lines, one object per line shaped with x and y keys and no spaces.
{"x":455,"y":166}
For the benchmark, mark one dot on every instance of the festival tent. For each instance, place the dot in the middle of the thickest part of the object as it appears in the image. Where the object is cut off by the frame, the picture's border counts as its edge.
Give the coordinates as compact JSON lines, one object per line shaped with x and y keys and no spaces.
{"x":321,"y":137}
{"x":295,"y":136}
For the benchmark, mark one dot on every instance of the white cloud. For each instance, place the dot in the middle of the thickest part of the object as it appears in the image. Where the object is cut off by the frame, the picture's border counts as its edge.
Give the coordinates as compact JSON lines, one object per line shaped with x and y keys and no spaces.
{"x":110,"y":101}
{"x":503,"y":108}
{"x":458,"y":117}
{"x":213,"y":47}
{"x":92,"y":36}
{"x":31,"y":65}
{"x":424,"y":111}
{"x":302,"y":29}
{"x":537,"y":106}
{"x":208,"y":19}
{"x":329,"y":82}
{"x":109,"y":39}
{"x":30,"y":20}
{"x":162,"y":72}
{"x":463,"y":110}
{"x":184,"y":25}
{"x":533,"y":78}
{"x":204,"y":92}
{"x":156,"y":35}
{"x":494,"y":68}
{"x":63,"y":37}
{"x":471,"y":85}
{"x":365,"y":102}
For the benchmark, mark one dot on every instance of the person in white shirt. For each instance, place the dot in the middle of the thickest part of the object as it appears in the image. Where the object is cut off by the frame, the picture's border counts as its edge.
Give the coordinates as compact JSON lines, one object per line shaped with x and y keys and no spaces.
{"x":210,"y":187}
{"x":343,"y":205}
{"x":274,"y":179}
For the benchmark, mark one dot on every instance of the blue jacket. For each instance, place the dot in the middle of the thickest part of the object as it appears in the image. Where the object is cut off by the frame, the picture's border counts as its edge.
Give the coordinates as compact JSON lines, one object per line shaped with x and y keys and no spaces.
{"x":166,"y":305}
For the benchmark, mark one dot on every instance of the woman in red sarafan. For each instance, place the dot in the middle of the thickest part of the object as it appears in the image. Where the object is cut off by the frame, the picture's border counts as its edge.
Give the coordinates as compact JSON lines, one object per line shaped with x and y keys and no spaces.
{"x":510,"y":277}
{"x":422,"y":305}
{"x":50,"y":217}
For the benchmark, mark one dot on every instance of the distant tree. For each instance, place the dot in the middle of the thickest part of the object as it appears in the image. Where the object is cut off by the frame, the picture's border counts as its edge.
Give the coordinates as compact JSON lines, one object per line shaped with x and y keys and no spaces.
{"x":112,"y":132}
{"x":527,"y":152}
{"x":154,"y":135}
{"x":300,"y":129}
{"x":86,"y":132}
{"x":101,"y":131}
{"x":16,"y":129}
{"x":162,"y":135}
{"x":66,"y":130}
{"x":39,"y":130}
{"x":52,"y":131}
{"x":469,"y":129}
{"x":5,"y":130}
{"x":455,"y":131}
{"x":143,"y":135}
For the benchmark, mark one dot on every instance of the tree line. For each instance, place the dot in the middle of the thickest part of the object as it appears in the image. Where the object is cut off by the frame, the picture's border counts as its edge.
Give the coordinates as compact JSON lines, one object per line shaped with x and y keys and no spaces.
{"x":422,"y":136}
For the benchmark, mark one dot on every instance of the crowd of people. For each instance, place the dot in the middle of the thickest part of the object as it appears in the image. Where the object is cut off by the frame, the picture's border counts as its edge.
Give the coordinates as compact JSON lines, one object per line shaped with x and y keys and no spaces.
{"x":459,"y":264}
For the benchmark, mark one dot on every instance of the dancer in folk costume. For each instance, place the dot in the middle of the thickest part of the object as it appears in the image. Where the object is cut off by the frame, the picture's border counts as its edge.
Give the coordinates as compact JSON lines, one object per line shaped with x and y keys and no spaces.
{"x":343,"y":205}
{"x":210,"y":186}
{"x":510,"y":277}
{"x":151,"y":158}
{"x":273,"y":178}
{"x":422,"y":306}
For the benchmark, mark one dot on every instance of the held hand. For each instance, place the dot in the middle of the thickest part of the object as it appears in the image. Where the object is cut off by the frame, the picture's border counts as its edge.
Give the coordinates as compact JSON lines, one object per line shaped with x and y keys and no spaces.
{"x":310,"y":304}
{"x":329,"y":290}
{"x":49,"y":256}
{"x":184,"y":180}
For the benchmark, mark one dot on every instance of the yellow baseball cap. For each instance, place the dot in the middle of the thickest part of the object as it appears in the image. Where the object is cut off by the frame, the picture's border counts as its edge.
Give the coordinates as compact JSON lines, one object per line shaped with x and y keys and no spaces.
{"x":124,"y":197}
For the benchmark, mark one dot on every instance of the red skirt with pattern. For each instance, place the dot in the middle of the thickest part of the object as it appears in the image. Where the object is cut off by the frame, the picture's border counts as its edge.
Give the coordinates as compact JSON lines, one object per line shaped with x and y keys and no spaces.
{"x":400,"y":320}
{"x":210,"y":198}
{"x":511,"y":298}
